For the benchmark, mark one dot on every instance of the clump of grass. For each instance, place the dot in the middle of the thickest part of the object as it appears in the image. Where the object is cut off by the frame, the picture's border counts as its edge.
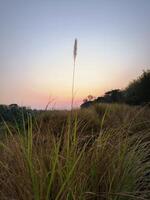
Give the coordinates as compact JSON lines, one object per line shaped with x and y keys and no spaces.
{"x":110,"y":164}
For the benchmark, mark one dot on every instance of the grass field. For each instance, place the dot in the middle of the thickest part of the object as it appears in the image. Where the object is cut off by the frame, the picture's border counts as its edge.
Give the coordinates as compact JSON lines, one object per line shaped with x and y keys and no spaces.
{"x":102,"y":152}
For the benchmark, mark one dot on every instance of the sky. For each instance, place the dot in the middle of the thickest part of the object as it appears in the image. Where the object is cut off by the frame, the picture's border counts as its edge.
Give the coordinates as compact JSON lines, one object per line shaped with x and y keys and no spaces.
{"x":36,"y":48}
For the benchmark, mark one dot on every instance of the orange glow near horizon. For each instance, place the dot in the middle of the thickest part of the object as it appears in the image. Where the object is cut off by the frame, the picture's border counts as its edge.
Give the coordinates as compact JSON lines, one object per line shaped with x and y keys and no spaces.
{"x":40,"y":89}
{"x":39,"y":96}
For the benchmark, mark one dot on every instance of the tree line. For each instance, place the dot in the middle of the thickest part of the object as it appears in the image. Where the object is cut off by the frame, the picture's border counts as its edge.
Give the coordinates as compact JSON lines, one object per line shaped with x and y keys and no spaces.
{"x":14,"y":114}
{"x":136,"y":93}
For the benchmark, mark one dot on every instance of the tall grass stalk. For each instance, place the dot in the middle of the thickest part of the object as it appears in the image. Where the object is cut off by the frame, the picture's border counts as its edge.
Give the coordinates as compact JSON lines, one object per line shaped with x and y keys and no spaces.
{"x":73,"y":75}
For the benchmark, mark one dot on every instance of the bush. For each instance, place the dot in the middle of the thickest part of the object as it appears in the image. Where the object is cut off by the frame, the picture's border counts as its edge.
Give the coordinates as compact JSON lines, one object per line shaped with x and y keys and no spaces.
{"x":138,"y":91}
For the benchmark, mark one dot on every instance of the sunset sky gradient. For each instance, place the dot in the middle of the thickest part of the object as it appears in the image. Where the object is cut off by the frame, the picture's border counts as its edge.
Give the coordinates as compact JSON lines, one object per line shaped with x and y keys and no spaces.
{"x":36,"y":48}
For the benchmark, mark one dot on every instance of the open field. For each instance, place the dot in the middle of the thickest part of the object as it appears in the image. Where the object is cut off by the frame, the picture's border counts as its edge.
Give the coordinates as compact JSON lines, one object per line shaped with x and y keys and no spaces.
{"x":97,"y":153}
{"x":75,"y":100}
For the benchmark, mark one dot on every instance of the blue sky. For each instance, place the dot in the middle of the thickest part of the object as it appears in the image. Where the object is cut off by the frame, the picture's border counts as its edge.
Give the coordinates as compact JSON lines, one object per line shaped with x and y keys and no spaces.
{"x":36,"y":45}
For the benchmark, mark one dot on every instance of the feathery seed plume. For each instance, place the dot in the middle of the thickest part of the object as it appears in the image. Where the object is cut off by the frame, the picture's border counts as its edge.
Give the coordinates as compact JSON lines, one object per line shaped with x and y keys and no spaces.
{"x":74,"y":55}
{"x":75,"y":49}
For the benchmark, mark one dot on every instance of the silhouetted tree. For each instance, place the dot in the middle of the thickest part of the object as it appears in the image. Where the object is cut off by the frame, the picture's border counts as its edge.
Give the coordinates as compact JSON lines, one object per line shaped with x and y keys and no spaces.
{"x":113,"y":96}
{"x":138,"y":91}
{"x":87,"y":101}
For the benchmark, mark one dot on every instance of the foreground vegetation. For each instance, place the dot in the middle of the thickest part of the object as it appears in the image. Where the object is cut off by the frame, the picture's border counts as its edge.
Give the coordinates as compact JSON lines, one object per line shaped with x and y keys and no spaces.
{"x":96,"y":153}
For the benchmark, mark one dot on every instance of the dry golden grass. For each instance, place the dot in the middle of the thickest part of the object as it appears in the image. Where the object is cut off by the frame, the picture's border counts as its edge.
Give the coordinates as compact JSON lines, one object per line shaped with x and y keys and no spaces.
{"x":103,"y":154}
